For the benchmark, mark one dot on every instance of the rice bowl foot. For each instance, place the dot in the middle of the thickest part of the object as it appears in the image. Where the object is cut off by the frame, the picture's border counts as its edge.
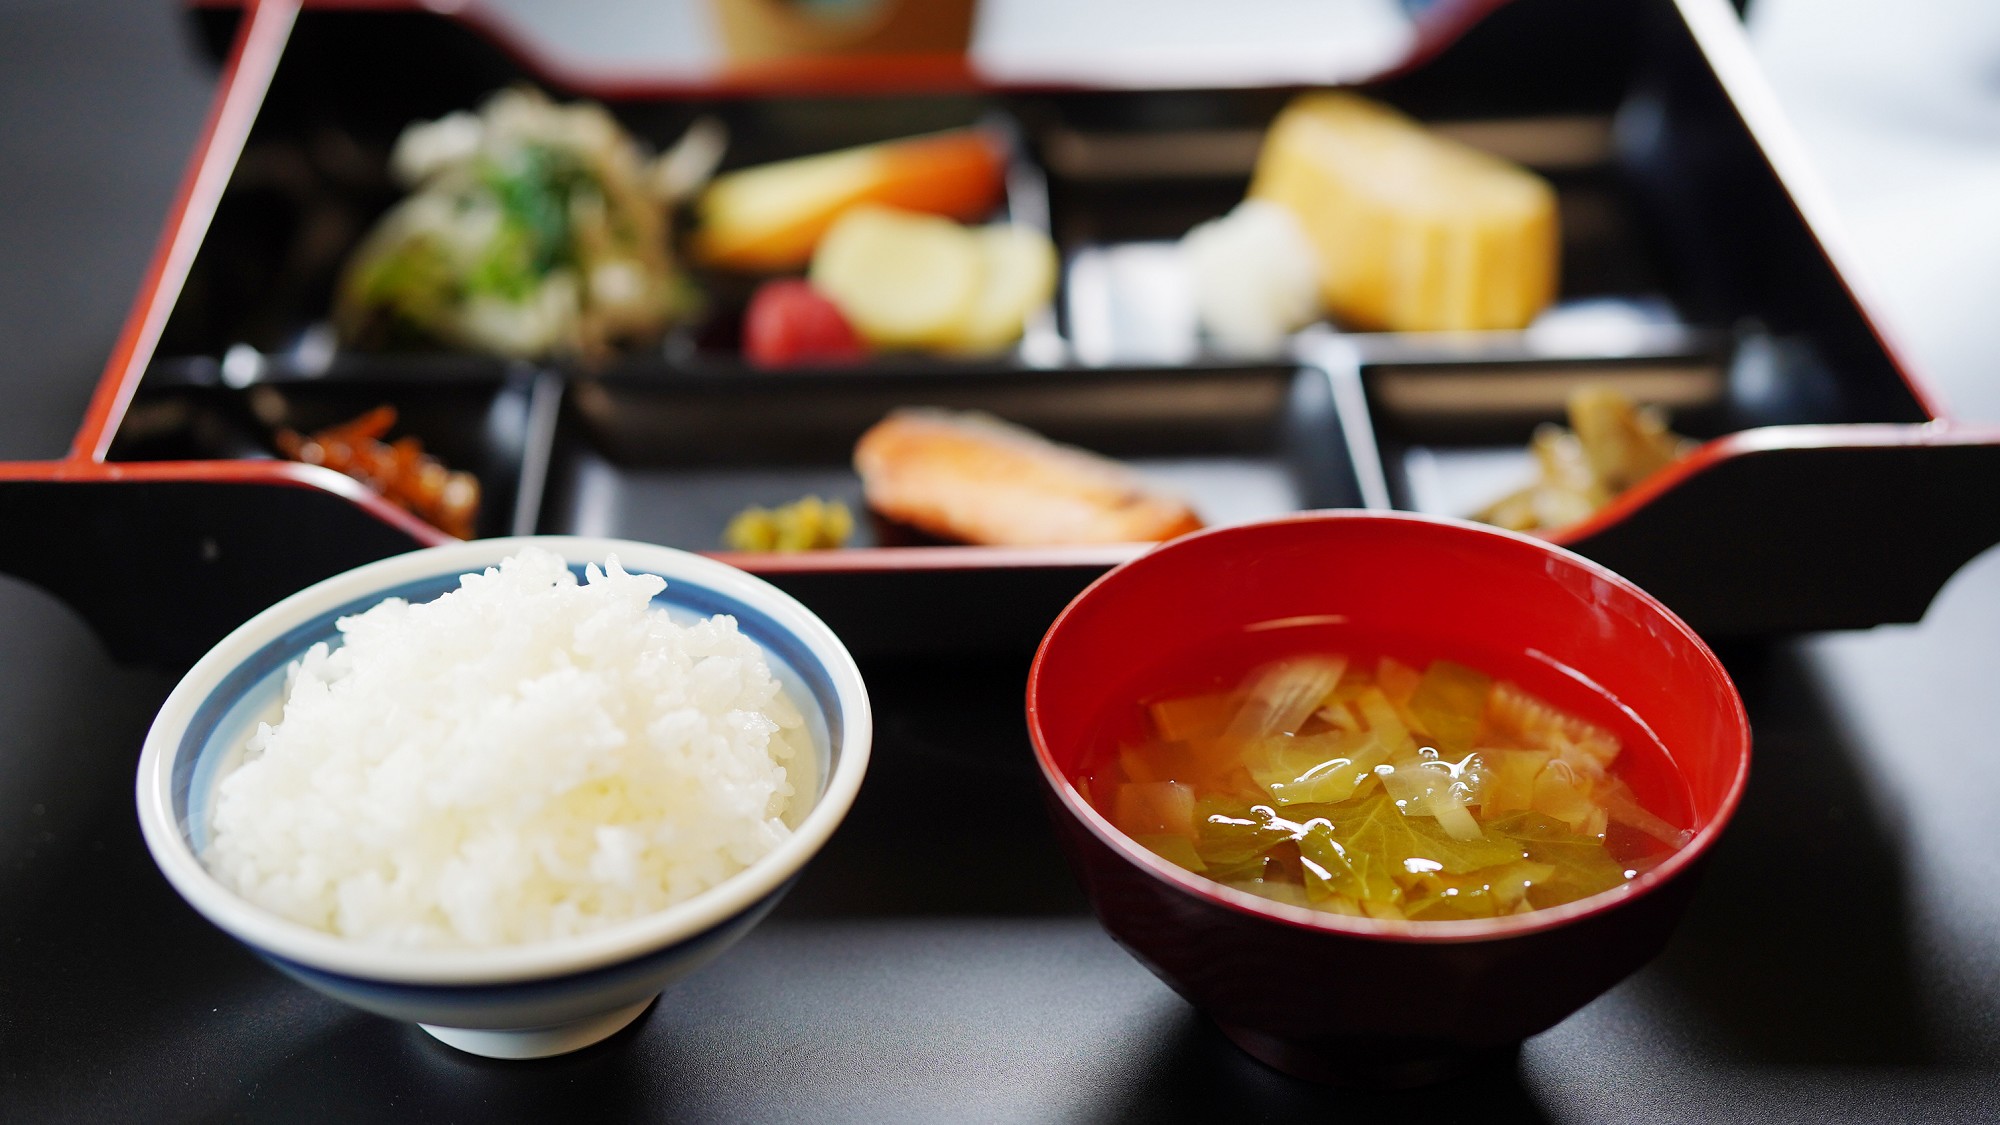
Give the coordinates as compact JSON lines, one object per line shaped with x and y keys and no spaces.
{"x":540,"y":1042}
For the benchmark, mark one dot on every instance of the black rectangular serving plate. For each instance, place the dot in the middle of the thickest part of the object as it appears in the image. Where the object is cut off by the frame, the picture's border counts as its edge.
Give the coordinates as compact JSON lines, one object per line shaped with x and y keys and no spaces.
{"x":1830,"y":492}
{"x":669,"y":461}
{"x":488,"y":420}
{"x":314,"y":176}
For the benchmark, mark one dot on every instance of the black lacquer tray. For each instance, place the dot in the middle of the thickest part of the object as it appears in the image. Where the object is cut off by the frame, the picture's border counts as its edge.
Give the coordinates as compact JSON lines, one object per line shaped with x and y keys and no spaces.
{"x":1700,"y":272}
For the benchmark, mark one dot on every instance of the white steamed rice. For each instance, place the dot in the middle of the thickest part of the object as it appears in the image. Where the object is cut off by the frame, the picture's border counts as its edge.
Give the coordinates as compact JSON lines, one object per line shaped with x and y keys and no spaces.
{"x":524,"y":758}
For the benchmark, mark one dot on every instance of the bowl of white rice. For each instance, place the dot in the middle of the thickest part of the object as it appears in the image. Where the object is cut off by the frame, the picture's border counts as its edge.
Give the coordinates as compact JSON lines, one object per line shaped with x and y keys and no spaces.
{"x":508,"y":789}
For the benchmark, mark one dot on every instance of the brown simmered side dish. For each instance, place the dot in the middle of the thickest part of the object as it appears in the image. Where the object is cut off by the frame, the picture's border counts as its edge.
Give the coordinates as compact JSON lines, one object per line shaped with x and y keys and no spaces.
{"x":400,"y":471}
{"x":974,"y":478}
{"x":1611,"y":445}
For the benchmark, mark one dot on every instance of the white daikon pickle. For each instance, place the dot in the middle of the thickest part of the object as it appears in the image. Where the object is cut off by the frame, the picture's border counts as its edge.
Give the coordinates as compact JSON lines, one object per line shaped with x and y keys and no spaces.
{"x":1255,"y":276}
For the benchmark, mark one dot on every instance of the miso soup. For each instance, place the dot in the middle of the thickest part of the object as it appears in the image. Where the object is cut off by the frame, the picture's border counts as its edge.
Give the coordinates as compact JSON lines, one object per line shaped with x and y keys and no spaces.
{"x":1318,"y":766}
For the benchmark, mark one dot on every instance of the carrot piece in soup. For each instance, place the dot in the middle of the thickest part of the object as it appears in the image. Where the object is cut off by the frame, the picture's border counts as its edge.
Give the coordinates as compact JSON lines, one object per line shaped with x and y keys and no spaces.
{"x":1157,"y":808}
{"x":1192,"y":717}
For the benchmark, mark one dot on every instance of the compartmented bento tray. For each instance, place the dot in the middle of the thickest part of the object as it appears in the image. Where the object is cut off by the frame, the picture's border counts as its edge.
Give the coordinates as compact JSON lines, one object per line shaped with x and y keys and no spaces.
{"x":1700,"y":273}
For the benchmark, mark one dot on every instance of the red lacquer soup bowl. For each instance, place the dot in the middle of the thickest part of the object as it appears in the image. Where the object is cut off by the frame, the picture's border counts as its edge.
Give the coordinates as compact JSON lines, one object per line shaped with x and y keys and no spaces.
{"x":1351,"y":999}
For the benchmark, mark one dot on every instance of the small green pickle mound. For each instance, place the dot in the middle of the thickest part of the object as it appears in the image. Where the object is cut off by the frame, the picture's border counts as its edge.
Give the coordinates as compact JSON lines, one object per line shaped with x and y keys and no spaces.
{"x":1436,"y":796}
{"x":806,"y":524}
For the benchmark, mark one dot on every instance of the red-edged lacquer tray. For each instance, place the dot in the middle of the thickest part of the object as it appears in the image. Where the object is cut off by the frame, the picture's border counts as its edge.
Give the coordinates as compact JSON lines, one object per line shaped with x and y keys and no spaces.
{"x":1702,"y":271}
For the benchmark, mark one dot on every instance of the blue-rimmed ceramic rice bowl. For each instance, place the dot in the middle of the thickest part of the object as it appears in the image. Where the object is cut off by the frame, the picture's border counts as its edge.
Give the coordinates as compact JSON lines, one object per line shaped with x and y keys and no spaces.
{"x":522,"y":1001}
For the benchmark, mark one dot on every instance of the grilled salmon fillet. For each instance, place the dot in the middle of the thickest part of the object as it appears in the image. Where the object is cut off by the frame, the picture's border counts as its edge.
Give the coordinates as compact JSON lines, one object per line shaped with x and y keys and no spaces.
{"x":973,"y":477}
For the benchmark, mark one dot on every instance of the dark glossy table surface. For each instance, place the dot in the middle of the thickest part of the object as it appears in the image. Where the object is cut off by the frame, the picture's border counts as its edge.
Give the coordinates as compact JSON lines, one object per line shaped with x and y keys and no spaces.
{"x":1842,"y":960}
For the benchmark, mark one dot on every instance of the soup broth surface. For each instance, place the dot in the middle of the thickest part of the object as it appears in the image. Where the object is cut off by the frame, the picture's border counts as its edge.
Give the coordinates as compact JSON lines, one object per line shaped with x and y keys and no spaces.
{"x":1328,"y":767}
